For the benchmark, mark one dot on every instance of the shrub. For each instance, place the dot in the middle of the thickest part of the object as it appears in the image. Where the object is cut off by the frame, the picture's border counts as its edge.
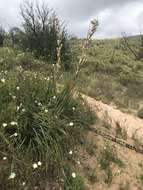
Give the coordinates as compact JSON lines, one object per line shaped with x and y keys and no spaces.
{"x":2,"y":36}
{"x":42,"y":33}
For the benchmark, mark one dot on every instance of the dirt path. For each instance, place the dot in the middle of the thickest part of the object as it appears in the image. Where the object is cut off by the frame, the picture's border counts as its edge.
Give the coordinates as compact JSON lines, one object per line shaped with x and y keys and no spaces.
{"x":132,"y":124}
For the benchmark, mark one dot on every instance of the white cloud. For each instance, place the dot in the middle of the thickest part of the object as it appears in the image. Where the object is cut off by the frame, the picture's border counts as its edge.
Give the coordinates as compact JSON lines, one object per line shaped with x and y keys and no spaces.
{"x":115,"y":16}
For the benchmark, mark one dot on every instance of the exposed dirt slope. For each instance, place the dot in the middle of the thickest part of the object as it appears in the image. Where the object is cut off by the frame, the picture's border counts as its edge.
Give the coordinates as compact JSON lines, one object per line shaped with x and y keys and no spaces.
{"x":132,"y":124}
{"x":128,"y":177}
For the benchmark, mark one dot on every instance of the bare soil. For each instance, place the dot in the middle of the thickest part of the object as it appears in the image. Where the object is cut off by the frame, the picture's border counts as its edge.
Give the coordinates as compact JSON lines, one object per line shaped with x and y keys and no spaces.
{"x":130,"y":123}
{"x":124,"y":178}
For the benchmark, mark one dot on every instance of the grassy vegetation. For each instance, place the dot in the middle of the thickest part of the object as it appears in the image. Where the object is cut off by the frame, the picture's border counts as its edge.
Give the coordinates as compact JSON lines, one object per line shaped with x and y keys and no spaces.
{"x":41,"y":121}
{"x":109,"y":156}
{"x":43,"y":118}
{"x":112,"y":73}
{"x":38,"y":125}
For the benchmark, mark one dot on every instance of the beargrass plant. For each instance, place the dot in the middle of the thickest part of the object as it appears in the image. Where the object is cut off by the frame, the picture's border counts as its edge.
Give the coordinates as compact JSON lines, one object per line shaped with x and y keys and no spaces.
{"x":39,"y":125}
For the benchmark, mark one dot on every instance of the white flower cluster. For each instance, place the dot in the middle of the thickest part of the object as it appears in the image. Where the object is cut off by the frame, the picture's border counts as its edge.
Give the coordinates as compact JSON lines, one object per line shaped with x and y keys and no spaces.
{"x":35,"y":165}
{"x":13,"y":123}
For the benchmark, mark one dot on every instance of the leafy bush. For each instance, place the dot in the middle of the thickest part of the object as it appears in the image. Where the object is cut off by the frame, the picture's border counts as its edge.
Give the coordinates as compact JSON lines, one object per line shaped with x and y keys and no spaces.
{"x":42,"y":34}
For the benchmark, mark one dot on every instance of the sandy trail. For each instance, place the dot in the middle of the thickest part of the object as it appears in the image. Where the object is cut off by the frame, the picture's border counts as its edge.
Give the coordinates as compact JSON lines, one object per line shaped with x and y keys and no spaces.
{"x":132,"y":124}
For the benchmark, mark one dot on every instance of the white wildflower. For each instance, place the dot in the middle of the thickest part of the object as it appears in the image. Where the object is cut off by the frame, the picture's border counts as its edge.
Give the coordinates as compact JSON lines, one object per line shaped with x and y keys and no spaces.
{"x":39,"y":104}
{"x":12,"y":175}
{"x":23,"y":110}
{"x":78,"y":162}
{"x":17,"y":88}
{"x":73,"y":108}
{"x":18,"y":108}
{"x":71,"y":124}
{"x":73,"y":175}
{"x":54,"y":97}
{"x":46,"y":111}
{"x":35,"y":166}
{"x":39,"y":163}
{"x":23,"y":183}
{"x":3,"y":80}
{"x":14,"y":135}
{"x":70,"y":152}
{"x":4,"y":158}
{"x":14,"y":123}
{"x":13,"y":97}
{"x":4,"y":124}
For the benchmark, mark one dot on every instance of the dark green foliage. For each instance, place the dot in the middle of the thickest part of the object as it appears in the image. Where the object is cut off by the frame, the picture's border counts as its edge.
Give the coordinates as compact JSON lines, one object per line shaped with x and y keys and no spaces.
{"x":41,"y":32}
{"x":2,"y":36}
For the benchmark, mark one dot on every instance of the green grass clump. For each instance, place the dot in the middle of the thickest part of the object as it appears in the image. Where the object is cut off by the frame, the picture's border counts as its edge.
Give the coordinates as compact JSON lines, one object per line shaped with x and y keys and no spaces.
{"x":37,"y":124}
{"x":73,"y":183}
{"x":93,"y":176}
{"x":108,"y":157}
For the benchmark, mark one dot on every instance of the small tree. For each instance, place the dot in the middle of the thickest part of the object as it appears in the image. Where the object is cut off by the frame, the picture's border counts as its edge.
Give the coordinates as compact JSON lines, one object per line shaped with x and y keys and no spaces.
{"x":2,"y":36}
{"x":138,"y":52}
{"x":43,"y":30}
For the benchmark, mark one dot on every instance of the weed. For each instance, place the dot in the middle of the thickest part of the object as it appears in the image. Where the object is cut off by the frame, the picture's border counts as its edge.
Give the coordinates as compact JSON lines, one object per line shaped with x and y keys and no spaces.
{"x":91,"y":148}
{"x":121,"y":133}
{"x":73,"y":181}
{"x":108,"y":156}
{"x":93,"y":176}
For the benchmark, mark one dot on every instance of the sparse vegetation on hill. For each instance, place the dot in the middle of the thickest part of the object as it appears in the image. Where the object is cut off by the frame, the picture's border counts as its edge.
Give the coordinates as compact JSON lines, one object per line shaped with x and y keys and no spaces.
{"x":45,"y":139}
{"x":112,"y":74}
{"x":42,"y":121}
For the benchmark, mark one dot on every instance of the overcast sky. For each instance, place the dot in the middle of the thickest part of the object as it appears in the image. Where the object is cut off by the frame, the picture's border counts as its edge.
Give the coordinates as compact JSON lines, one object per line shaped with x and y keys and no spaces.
{"x":115,"y":16}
